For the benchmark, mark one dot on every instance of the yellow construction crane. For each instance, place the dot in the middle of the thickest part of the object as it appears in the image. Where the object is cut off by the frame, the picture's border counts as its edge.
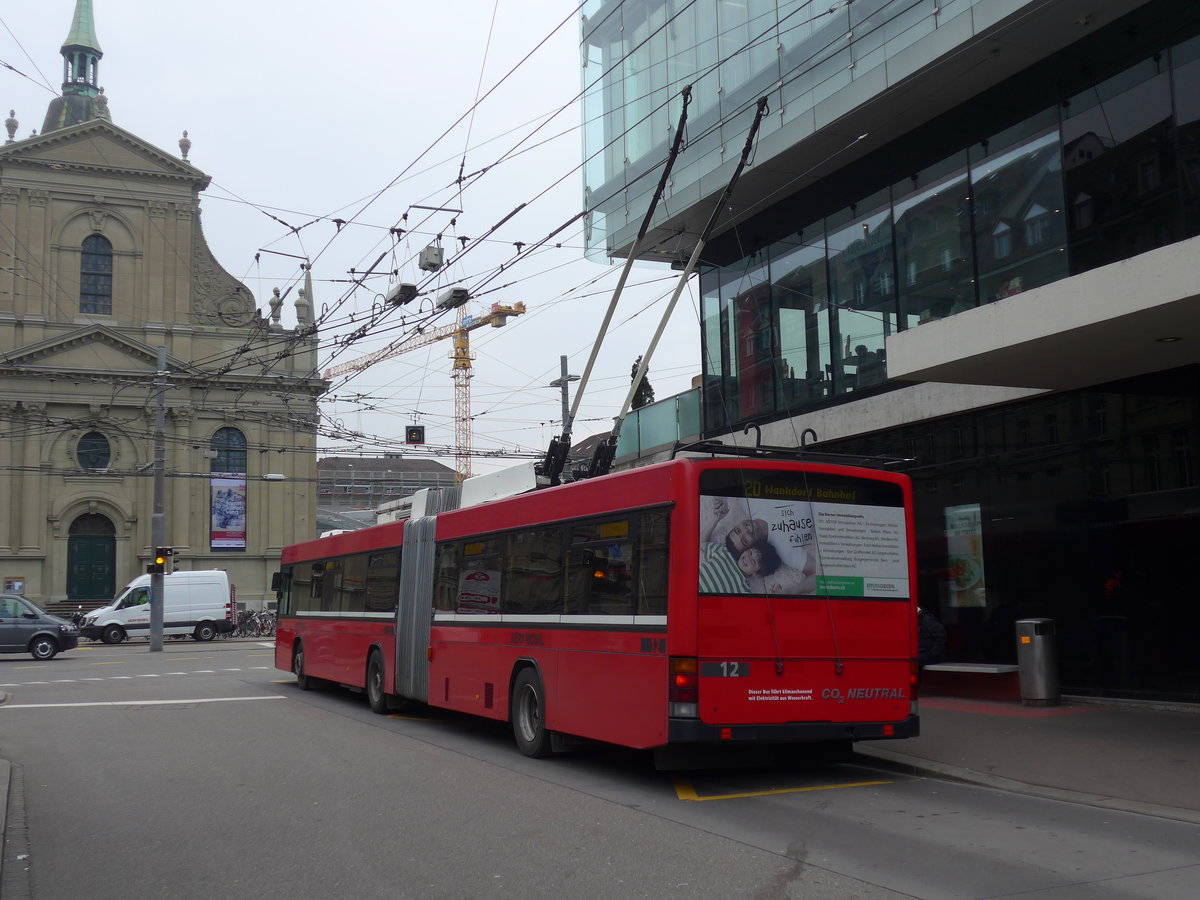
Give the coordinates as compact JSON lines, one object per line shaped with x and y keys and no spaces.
{"x":461,"y":368}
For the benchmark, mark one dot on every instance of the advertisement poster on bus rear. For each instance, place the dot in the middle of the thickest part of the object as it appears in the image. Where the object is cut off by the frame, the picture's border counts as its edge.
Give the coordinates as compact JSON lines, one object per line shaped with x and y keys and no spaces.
{"x":782,"y":533}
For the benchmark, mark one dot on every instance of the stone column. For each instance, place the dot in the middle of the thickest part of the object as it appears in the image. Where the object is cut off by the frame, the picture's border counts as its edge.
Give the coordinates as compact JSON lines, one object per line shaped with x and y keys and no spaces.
{"x":9,"y":466}
{"x":184,"y":460}
{"x":32,"y":512}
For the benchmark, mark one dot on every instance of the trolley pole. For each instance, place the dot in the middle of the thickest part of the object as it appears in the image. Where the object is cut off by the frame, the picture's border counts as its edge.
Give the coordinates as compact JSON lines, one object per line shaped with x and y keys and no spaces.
{"x":158,"y":522}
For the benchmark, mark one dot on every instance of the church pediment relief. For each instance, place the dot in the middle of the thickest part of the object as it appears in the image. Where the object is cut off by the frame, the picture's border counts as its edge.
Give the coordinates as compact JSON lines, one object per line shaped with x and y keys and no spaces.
{"x":98,"y":147}
{"x":93,"y":349}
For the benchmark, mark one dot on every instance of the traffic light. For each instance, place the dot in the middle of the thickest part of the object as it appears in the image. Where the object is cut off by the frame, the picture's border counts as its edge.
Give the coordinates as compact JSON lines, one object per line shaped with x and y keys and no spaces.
{"x":414,"y":434}
{"x":158,"y":565}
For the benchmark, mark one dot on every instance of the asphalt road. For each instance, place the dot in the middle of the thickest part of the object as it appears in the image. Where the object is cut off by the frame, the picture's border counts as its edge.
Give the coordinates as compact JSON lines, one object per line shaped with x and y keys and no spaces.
{"x":202,"y":771}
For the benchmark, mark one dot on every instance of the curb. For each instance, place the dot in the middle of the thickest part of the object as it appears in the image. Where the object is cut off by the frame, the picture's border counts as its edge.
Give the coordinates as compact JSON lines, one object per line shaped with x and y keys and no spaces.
{"x":914,"y":765}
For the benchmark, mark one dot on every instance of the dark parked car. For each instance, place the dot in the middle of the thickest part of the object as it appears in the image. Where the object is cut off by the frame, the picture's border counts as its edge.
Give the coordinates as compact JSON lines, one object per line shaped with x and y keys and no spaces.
{"x":24,"y":628}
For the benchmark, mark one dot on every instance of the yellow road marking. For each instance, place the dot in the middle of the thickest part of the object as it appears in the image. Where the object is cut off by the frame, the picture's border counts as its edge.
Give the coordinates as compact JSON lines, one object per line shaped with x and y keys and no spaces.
{"x":685,"y":791}
{"x":29,"y":667}
{"x":111,"y":662}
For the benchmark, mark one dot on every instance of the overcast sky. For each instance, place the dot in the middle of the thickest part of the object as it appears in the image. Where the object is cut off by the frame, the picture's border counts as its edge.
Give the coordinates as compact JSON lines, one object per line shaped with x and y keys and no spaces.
{"x":305,"y":110}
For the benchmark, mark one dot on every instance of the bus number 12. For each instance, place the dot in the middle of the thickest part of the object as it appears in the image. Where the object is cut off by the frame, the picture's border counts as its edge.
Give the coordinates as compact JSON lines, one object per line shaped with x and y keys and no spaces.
{"x":725,"y":669}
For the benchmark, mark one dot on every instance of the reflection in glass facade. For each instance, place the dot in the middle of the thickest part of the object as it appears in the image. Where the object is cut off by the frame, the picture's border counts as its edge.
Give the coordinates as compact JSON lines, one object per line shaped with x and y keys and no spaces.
{"x":1111,"y":171}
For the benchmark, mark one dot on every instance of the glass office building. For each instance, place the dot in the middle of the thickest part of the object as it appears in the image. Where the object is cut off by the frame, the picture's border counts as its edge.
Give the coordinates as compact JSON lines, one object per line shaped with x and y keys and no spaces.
{"x":968,"y":237}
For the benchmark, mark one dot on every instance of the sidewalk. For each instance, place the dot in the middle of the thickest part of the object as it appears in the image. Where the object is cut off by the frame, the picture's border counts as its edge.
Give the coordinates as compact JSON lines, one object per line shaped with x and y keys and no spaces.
{"x":1136,"y":757}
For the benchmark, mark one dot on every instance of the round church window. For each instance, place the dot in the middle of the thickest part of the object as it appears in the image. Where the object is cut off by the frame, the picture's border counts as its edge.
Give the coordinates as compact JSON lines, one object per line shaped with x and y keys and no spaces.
{"x":93,"y":451}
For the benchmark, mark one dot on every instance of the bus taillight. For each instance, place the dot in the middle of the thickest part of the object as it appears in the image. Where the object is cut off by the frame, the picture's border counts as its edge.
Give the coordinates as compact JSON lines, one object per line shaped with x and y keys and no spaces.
{"x":684,"y":694}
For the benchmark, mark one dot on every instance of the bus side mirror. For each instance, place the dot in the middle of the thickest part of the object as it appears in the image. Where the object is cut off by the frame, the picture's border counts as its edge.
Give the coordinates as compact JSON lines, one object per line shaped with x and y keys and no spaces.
{"x":277,"y":582}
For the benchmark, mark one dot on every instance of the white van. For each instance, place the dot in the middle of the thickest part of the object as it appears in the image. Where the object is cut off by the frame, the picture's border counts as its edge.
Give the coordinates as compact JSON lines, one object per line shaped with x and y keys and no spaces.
{"x":199,"y":603}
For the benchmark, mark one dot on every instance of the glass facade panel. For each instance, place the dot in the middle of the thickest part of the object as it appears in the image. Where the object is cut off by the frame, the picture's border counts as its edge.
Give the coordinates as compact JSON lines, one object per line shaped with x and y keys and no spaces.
{"x":1119,"y":160}
{"x":799,"y":285}
{"x":751,"y":331}
{"x":1020,"y":226}
{"x":862,"y":289}
{"x":1185,"y":59}
{"x":656,"y":424}
{"x":713,"y":349}
{"x":935,"y":276}
{"x":644,"y":75}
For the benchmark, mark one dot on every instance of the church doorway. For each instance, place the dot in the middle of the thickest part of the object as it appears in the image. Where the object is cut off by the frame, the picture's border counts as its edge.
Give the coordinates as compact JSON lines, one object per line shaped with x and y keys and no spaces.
{"x":91,"y":558}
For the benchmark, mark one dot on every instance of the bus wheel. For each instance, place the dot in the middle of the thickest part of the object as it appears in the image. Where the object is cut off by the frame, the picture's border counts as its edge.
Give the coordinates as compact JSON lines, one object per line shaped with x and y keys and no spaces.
{"x":528,"y":711}
{"x":303,"y":680}
{"x":376,"y":698}
{"x":113,"y":634}
{"x":205,"y":631}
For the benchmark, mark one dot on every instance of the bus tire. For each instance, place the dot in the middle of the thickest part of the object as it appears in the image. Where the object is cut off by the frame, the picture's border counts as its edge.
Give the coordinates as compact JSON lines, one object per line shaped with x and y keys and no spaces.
{"x":205,"y":631}
{"x":376,"y":698}
{"x":528,"y":713}
{"x":112,"y":634}
{"x":304,"y":681}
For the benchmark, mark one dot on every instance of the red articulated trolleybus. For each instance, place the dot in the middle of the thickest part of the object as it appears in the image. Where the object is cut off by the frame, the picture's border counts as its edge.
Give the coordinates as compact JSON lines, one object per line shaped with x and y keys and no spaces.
{"x":695,"y":601}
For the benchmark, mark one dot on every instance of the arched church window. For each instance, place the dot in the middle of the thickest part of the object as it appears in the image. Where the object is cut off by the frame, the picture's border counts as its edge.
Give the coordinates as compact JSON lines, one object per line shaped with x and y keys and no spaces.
{"x":93,"y":451}
{"x":95,"y":276}
{"x":229,"y":445}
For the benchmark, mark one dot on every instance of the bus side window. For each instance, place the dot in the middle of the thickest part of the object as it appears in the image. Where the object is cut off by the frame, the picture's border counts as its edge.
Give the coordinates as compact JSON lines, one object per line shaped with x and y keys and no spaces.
{"x":383,"y":581}
{"x":533,"y":572}
{"x":282,"y":585}
{"x":600,"y":569}
{"x":445,"y":587}
{"x":653,"y":563}
{"x":352,"y":586}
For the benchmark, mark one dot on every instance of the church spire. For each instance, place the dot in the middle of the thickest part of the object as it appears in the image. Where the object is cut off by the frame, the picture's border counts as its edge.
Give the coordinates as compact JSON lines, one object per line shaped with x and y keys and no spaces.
{"x":81,"y":53}
{"x":82,"y":97}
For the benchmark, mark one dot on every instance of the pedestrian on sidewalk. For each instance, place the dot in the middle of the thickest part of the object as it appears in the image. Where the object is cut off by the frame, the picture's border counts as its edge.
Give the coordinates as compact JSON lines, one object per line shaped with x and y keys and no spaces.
{"x":931,"y":638}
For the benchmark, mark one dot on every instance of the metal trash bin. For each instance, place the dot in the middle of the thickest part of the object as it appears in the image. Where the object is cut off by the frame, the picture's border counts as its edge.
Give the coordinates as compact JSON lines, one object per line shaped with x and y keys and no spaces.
{"x":1037,"y":662}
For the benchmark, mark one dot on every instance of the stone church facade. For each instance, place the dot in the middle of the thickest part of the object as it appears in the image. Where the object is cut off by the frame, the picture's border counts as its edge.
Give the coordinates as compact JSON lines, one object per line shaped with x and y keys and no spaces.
{"x":103,"y":267}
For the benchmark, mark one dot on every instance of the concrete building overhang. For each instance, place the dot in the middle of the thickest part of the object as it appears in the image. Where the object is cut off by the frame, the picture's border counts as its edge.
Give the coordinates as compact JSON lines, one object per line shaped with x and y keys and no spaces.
{"x":1128,"y":318}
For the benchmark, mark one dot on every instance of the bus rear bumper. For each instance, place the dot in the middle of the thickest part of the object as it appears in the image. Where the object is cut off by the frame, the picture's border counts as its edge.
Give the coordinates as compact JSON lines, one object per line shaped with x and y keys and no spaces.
{"x":693,"y":731}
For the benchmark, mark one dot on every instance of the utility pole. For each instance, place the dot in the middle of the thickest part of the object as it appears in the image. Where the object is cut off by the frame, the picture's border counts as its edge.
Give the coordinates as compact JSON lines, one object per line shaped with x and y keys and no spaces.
{"x":561,"y":382}
{"x":158,"y":522}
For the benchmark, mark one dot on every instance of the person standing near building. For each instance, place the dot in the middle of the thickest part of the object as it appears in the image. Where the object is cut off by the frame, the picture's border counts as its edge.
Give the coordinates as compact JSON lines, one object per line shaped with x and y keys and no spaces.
{"x":931,"y":638}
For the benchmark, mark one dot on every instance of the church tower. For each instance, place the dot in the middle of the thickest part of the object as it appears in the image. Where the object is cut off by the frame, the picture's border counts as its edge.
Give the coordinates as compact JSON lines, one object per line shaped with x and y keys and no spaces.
{"x":82,"y":97}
